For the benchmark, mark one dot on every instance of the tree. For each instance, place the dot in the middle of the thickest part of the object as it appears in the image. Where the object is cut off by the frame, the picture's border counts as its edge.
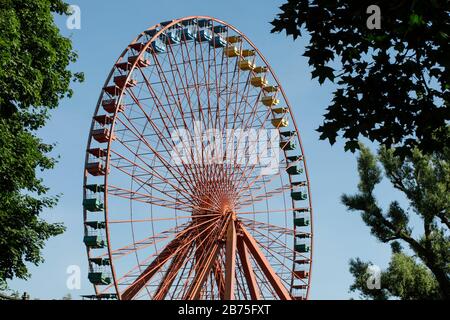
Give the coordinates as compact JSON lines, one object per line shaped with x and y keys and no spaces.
{"x":425,"y":181}
{"x":392,"y":83}
{"x":405,"y":278}
{"x":34,"y":76}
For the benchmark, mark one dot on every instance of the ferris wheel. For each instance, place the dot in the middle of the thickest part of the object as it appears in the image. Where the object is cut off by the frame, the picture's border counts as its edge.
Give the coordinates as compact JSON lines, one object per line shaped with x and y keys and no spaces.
{"x":195,"y":181}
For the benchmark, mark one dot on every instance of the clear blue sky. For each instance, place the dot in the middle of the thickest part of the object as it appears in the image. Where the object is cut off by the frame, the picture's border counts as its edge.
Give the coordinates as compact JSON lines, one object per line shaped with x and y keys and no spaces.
{"x":106,"y":29}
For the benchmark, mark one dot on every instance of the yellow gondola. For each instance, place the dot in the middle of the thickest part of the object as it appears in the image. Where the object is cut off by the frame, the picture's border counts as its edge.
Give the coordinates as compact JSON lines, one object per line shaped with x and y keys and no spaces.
{"x":248,"y":53}
{"x":246,"y":65}
{"x":280,"y":122}
{"x":270,"y":89}
{"x":280,"y":110}
{"x":269,"y":101}
{"x":261,"y":69}
{"x":259,"y":81}
{"x":231,"y":52}
{"x":234,"y":39}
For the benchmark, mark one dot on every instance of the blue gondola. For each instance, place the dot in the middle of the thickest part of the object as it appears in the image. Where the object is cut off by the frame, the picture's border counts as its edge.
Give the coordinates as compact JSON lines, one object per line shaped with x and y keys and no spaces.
{"x":204,"y":35}
{"x":189,"y":22}
{"x":204,"y":23}
{"x":294,"y":170}
{"x":187,"y":34}
{"x":158,"y":46}
{"x":151,"y":32}
{"x":220,"y":29}
{"x":299,"y":195}
{"x":170,"y":37}
{"x":218,"y":42}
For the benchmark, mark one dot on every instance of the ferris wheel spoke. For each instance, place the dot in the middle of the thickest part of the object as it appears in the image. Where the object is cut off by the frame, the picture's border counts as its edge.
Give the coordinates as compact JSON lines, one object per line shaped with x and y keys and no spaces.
{"x":159,"y":219}
{"x":204,"y":264}
{"x":150,"y":199}
{"x":252,"y":117}
{"x":169,"y":93}
{"x":144,"y":244}
{"x":220,"y":281}
{"x":249,"y":169}
{"x":264,"y":195}
{"x":270,"y":241}
{"x":148,"y":241}
{"x":161,"y":134}
{"x":264,"y":264}
{"x":206,"y":78}
{"x":154,"y":173}
{"x":163,"y":140}
{"x":236,"y":112}
{"x":270,"y":247}
{"x":195,"y":79}
{"x":257,"y":179}
{"x":217,"y":122}
{"x":181,"y":241}
{"x":185,"y":60}
{"x":201,"y":277}
{"x":143,"y":183}
{"x":198,"y":179}
{"x":169,"y":277}
{"x":211,"y":169}
{"x":206,"y":81}
{"x":239,"y":178}
{"x":249,"y":273}
{"x":186,"y":95}
{"x":271,"y":211}
{"x":157,"y":154}
{"x":152,"y":269}
{"x":180,"y":79}
{"x":253,"y":224}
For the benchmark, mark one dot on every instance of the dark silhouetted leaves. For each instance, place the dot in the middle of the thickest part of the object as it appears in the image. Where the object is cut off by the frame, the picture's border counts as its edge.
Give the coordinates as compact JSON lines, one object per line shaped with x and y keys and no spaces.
{"x":393,"y":83}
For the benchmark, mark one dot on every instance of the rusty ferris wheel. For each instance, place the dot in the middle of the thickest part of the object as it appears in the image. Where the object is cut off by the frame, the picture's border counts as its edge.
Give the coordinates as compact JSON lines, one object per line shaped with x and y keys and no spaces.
{"x":195,"y":229}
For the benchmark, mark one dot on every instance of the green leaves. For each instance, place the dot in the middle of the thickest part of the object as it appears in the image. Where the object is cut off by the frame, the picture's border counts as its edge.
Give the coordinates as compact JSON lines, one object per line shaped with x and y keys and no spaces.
{"x":369,"y":172}
{"x":405,"y":278}
{"x":323,"y":73}
{"x":410,"y":280}
{"x":392,"y":83}
{"x":359,"y":270}
{"x":425,"y":182}
{"x":34,"y":76}
{"x":34,"y":56}
{"x":415,"y":19}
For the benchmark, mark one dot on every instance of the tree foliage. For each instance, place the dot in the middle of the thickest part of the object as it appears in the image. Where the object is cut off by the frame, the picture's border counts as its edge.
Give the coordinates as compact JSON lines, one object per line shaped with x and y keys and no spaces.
{"x":34,"y":76}
{"x":425,"y":181}
{"x":392,"y":83}
{"x":405,"y":278}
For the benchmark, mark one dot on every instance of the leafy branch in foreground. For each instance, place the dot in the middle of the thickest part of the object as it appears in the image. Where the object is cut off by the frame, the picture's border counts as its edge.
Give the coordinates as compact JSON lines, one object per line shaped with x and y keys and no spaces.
{"x":392,"y":83}
{"x":34,"y":77}
{"x":425,"y":181}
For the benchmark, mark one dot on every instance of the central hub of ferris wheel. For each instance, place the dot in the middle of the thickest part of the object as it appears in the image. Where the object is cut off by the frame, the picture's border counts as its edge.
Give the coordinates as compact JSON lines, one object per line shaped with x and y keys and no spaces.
{"x":159,"y":225}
